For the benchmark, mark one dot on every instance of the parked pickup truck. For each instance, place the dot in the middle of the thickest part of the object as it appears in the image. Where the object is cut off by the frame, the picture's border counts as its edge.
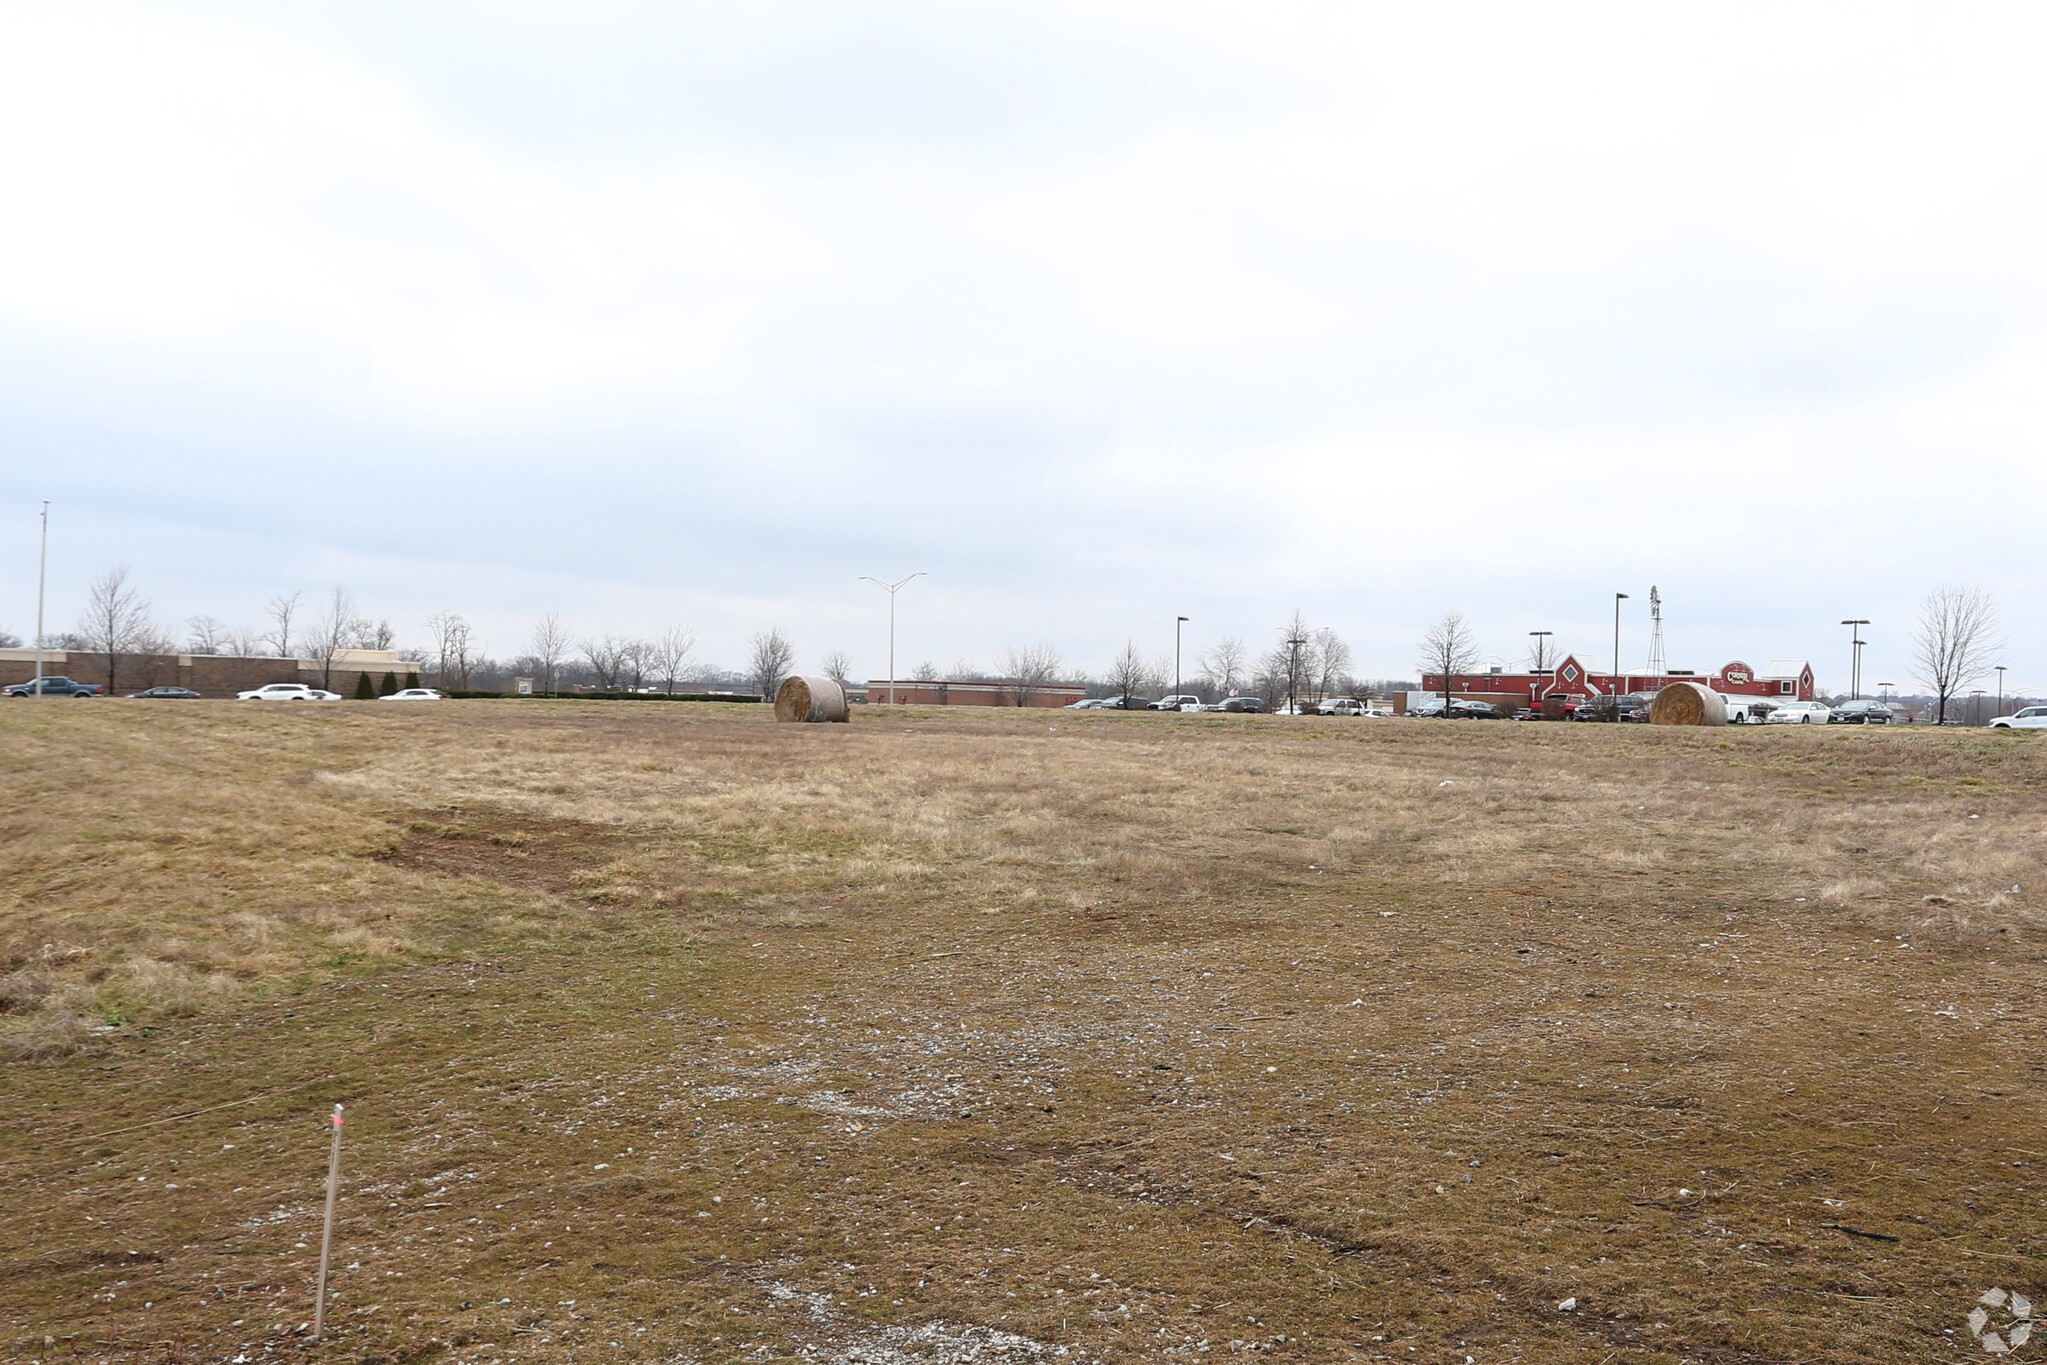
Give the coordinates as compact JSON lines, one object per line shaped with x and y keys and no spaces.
{"x":56,"y":687}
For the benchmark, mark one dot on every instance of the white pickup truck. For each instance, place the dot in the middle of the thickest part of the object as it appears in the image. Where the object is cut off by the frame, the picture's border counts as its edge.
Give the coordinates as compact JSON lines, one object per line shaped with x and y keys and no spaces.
{"x":1178,"y":703}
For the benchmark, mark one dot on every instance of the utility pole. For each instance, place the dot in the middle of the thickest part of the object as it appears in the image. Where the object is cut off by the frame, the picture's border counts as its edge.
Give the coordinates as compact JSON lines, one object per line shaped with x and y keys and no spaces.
{"x":1293,"y":674}
{"x":1541,"y":663}
{"x":1613,"y":683}
{"x":1855,"y":644}
{"x":42,"y":576}
{"x":2000,"y":693}
{"x":891,"y":590}
{"x":1178,"y":622}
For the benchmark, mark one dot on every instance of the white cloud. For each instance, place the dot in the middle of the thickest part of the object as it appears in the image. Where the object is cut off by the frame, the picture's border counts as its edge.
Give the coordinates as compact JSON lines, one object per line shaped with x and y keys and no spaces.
{"x":1101,"y":317}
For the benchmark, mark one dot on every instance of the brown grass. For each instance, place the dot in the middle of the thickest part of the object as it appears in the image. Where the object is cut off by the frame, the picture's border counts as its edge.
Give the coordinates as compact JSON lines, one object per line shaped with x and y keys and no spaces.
{"x":1324,"y":1038}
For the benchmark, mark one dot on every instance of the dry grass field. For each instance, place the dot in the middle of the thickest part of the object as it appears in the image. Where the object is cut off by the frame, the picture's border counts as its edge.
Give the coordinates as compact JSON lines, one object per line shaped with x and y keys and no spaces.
{"x":670,"y":1034}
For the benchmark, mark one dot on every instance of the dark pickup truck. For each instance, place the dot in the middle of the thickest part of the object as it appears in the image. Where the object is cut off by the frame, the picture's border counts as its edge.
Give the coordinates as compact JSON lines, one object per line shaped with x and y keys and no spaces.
{"x":56,"y":687}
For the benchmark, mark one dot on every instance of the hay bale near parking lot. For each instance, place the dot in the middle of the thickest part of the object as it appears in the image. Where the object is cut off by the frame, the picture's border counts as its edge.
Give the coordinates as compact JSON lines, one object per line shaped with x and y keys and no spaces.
{"x":1687,"y":703}
{"x":812,"y":700}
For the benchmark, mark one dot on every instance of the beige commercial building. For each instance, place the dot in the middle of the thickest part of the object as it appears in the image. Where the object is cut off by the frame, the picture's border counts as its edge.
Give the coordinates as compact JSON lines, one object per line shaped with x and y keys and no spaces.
{"x":210,"y":675}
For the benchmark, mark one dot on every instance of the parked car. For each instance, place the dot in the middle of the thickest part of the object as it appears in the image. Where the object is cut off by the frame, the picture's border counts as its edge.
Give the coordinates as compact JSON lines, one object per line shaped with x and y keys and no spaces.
{"x":1177,"y":702}
{"x":1528,"y":713}
{"x":287,"y":692}
{"x":1128,"y":703}
{"x":1475,"y":710}
{"x":169,"y":693}
{"x":414,"y":694}
{"x":56,"y":687}
{"x":1431,"y":709}
{"x":1087,"y":704}
{"x":1860,"y":713}
{"x":2025,"y":718}
{"x":1250,"y":704}
{"x":1800,"y":713}
{"x":1341,"y":706}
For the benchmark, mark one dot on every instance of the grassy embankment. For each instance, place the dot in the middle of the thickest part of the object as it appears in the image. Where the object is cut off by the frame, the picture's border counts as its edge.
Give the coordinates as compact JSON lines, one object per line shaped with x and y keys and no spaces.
{"x":681,"y":1030}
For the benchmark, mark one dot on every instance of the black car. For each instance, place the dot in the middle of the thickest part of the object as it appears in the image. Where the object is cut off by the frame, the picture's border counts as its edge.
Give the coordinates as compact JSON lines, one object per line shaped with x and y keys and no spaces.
{"x":1243,"y":704}
{"x":1475,"y":710}
{"x":1129,"y":704}
{"x":169,"y":693}
{"x":56,"y":687}
{"x":1862,"y":713}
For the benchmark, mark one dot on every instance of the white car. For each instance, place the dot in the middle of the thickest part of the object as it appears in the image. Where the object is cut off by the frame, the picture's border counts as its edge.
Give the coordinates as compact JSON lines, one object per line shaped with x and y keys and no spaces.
{"x":414,"y":694}
{"x":287,"y":692}
{"x":1179,"y":703}
{"x":2025,"y":718}
{"x":1799,"y":713}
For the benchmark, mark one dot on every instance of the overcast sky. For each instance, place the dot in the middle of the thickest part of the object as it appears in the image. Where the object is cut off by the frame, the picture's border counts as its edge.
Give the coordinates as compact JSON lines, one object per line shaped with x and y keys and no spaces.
{"x":1100,"y":315}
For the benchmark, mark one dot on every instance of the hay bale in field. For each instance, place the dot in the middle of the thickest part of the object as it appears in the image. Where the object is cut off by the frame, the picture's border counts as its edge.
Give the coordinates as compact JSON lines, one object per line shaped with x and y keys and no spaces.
{"x":813,"y":700}
{"x":1687,"y":703}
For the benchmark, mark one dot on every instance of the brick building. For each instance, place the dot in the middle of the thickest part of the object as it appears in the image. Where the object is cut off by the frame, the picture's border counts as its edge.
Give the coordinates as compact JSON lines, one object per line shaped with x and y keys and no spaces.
{"x":210,"y":675}
{"x":1782,"y":679}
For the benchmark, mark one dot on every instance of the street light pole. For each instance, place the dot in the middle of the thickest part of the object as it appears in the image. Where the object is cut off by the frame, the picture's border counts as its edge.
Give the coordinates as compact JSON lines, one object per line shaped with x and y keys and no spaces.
{"x":1293,"y":674}
{"x":1178,"y":621}
{"x":42,"y":575}
{"x":1976,"y":706}
{"x":1541,"y":664}
{"x":2000,"y":692}
{"x":891,"y":589}
{"x":1615,"y":681}
{"x":1855,"y":643}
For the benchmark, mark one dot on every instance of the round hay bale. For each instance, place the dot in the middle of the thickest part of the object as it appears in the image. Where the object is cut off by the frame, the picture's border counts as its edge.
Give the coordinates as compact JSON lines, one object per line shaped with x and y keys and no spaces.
{"x":1687,"y":703}
{"x":812,"y":700}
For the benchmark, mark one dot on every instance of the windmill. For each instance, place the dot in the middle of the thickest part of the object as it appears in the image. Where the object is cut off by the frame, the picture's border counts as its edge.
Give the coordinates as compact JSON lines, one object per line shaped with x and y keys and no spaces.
{"x":1655,"y":634}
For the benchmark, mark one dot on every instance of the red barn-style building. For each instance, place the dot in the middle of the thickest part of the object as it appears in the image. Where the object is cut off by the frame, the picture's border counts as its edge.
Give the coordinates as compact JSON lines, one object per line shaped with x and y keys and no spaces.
{"x":1782,"y":679}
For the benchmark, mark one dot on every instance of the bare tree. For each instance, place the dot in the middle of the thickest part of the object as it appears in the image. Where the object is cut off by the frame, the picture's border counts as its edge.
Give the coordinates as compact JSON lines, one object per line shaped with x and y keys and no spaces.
{"x":1128,"y":671}
{"x":550,"y":646}
{"x":672,"y":654}
{"x":9,"y":640}
{"x":1029,"y":670}
{"x":837,"y":666}
{"x":336,"y":625}
{"x":453,"y":654}
{"x":1294,"y":657}
{"x":1954,"y":641}
{"x":281,"y":609}
{"x":1223,"y":665}
{"x":1330,"y":660}
{"x":1449,"y":648}
{"x":925,"y":672}
{"x":246,"y":643}
{"x":635,"y":657}
{"x":370,"y":634}
{"x":207,"y":636}
{"x":606,"y":659}
{"x":116,"y":620}
{"x":769,"y":662}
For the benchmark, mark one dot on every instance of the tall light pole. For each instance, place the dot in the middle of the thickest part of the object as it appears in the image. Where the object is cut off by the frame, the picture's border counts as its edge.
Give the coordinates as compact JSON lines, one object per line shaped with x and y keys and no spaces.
{"x":1976,"y":706}
{"x":1855,"y":644}
{"x":1541,"y":651}
{"x":2000,"y":693}
{"x":891,"y":589}
{"x":1884,"y":691}
{"x":1179,"y":621}
{"x":1615,"y":681}
{"x":1293,"y":674}
{"x":42,"y":575}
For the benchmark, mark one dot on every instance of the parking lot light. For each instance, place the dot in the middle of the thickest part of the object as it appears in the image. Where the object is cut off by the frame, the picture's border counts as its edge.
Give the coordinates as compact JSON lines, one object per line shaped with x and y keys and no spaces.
{"x":1615,"y":681}
{"x":1855,"y":644}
